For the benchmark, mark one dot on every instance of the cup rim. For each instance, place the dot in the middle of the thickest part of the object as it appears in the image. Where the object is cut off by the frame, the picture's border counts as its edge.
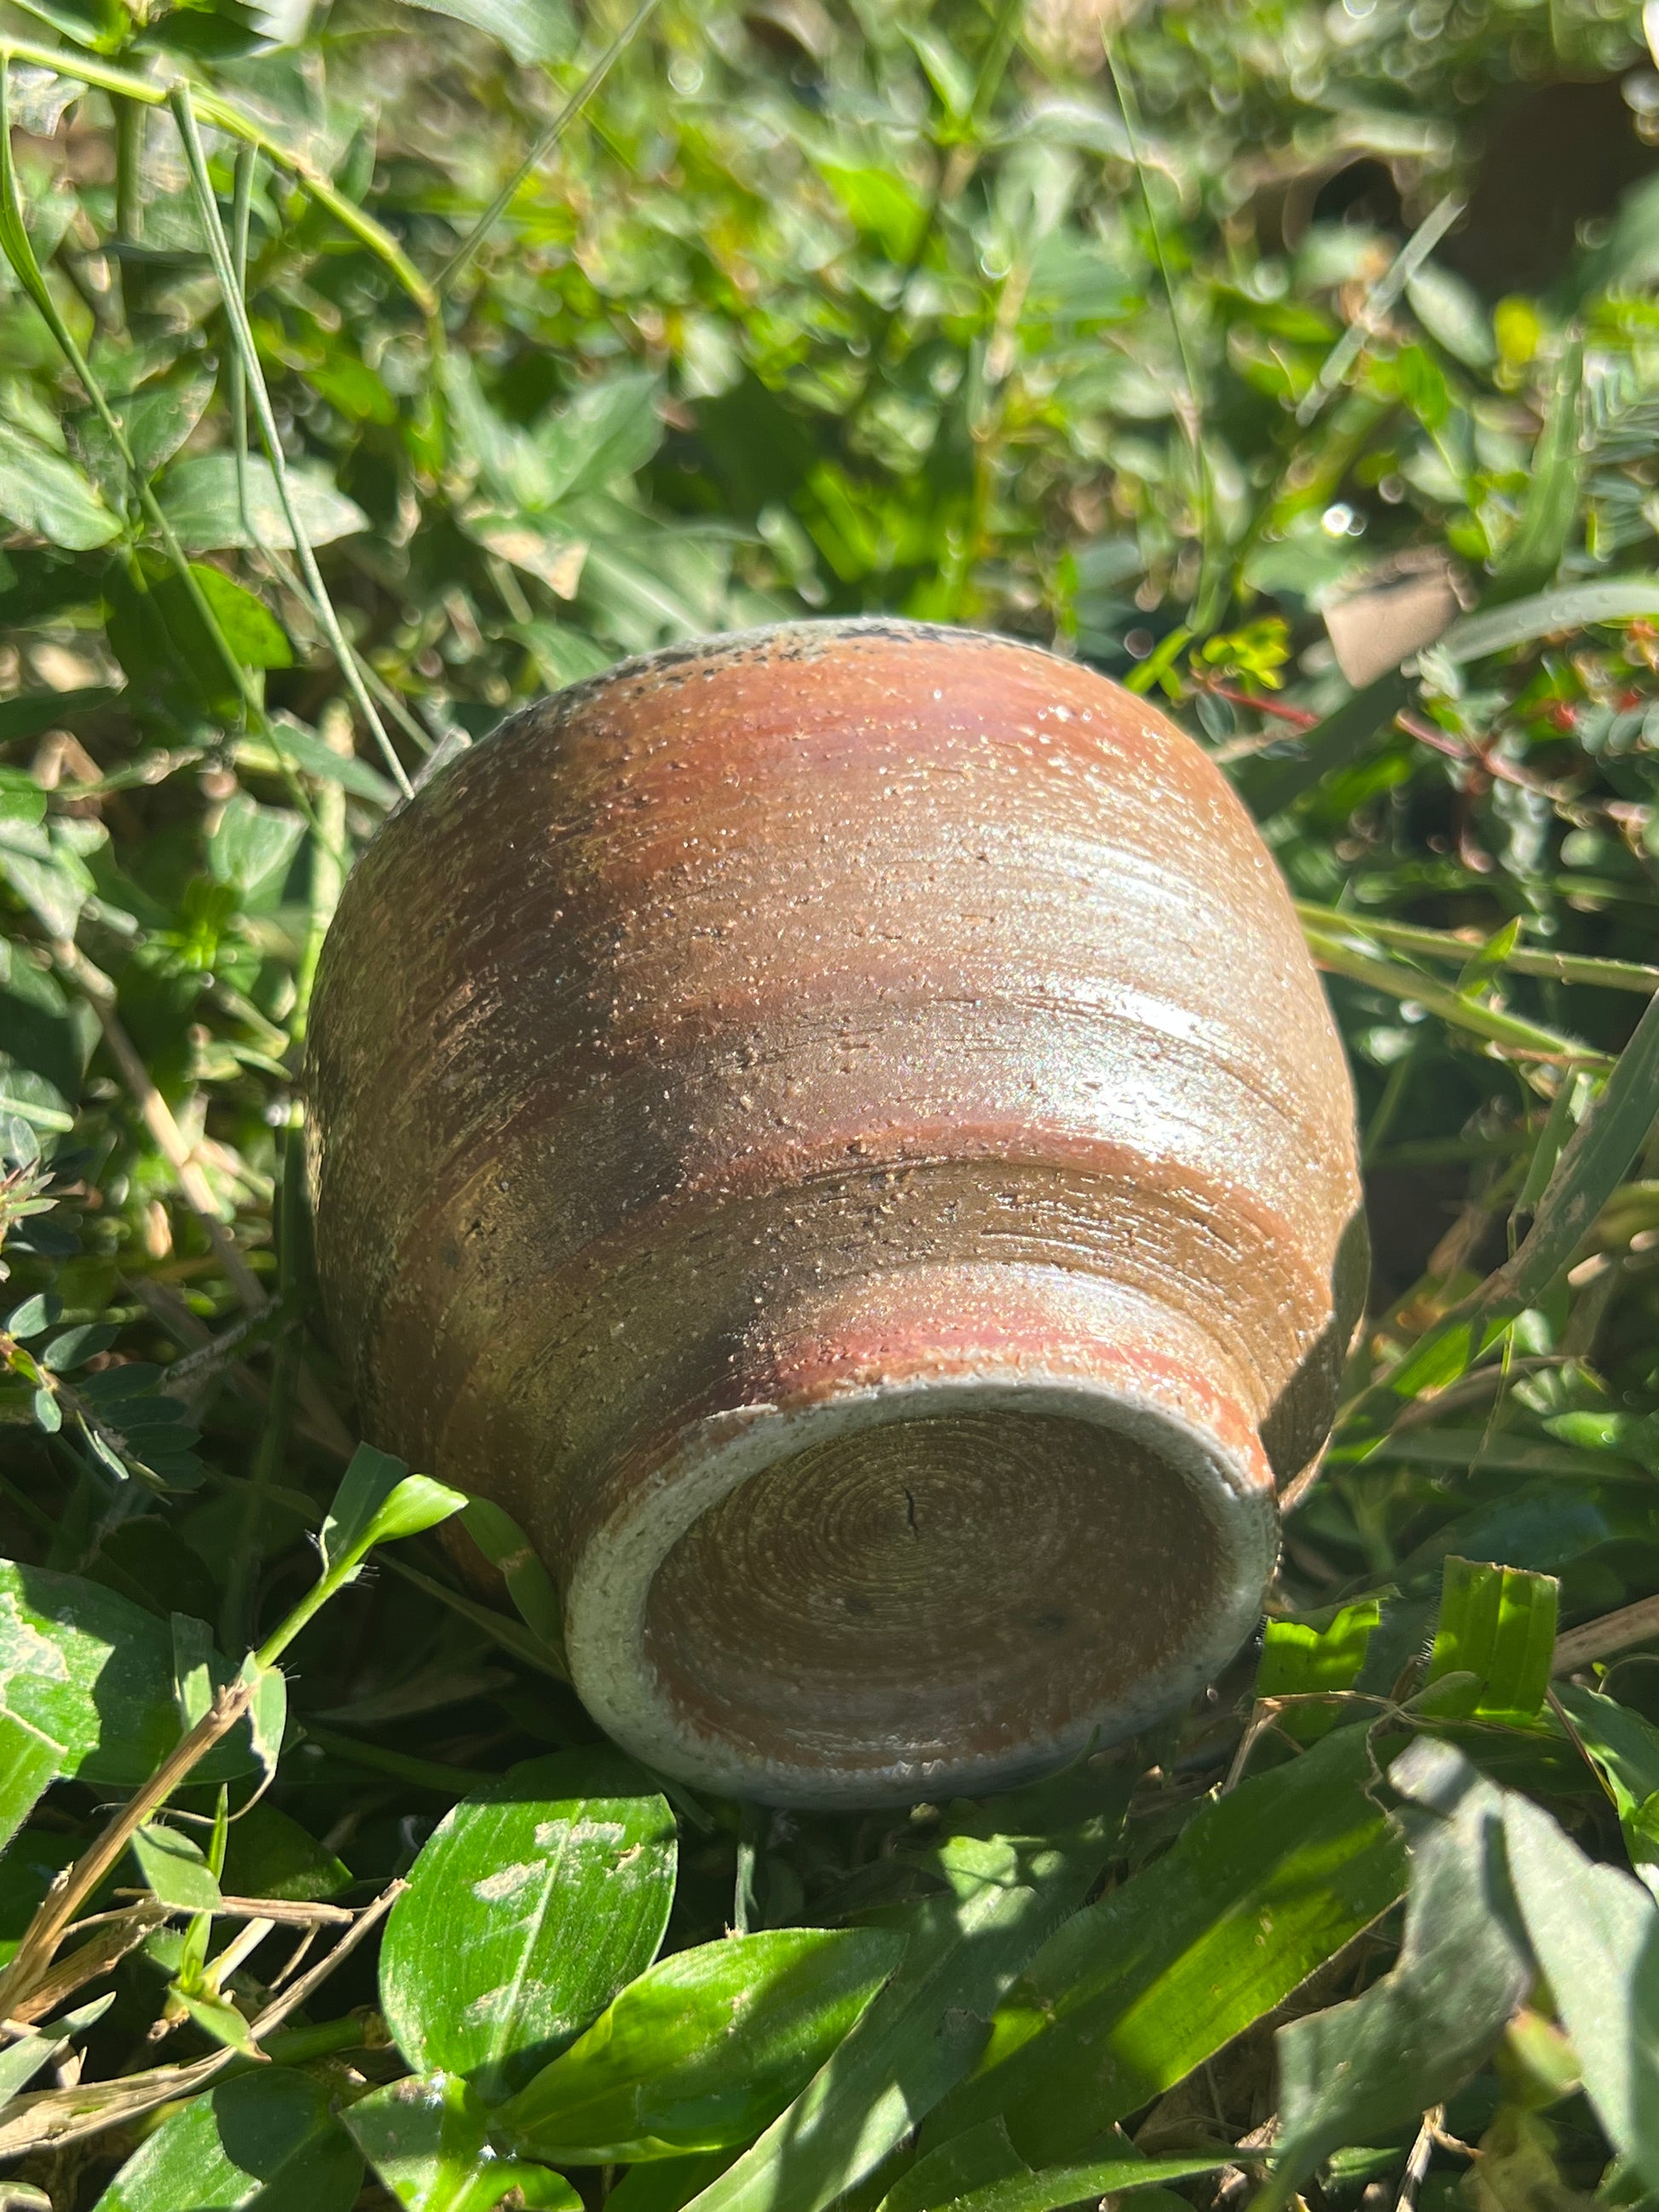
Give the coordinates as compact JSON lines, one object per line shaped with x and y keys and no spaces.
{"x":610,"y":1587}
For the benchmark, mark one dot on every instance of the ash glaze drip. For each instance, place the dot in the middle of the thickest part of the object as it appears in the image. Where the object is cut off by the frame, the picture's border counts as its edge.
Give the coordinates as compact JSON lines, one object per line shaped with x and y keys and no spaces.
{"x":808,"y":1069}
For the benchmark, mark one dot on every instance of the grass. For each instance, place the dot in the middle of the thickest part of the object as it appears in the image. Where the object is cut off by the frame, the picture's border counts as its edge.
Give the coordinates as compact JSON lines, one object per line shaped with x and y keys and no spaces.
{"x":354,"y":389}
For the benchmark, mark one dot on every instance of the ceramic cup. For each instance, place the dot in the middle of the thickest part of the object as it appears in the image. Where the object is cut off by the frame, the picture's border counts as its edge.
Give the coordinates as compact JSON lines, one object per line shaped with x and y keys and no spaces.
{"x":836,"y":1130}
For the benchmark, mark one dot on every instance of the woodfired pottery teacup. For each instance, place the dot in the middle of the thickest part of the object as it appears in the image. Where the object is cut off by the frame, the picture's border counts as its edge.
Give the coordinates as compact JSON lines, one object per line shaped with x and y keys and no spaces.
{"x":836,"y":1130}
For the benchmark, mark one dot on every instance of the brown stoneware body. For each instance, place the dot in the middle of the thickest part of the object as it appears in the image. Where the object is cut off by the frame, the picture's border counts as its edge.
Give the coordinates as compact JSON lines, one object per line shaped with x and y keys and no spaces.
{"x":836,"y":1130}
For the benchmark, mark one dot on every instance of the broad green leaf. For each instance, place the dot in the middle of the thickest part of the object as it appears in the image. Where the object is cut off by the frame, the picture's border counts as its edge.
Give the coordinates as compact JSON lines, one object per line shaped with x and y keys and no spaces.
{"x":378,"y":1501}
{"x":1351,"y":2073}
{"x":1532,"y":556}
{"x":970,"y":2161}
{"x":43,"y":864}
{"x":265,"y":2141}
{"x":649,"y":588}
{"x":85,"y":1689}
{"x":76,"y":1346}
{"x":1324,"y":1652}
{"x":1596,"y":1933}
{"x":198,"y":497}
{"x":253,"y":633}
{"x":666,"y":2185}
{"x":172,"y":1865}
{"x":31,"y":712}
{"x":949,"y":74}
{"x":27,"y":1764}
{"x":193,"y":1669}
{"x":531,"y":30}
{"x":553,"y":558}
{"x":1264,"y":1885}
{"x":22,"y":799}
{"x":704,"y":2049}
{"x":251,"y":845}
{"x":501,"y":452}
{"x":880,"y":204}
{"x":563,"y":655}
{"x":1005,"y":1894}
{"x":427,"y":2138}
{"x":267,"y":1712}
{"x":46,"y":493}
{"x":1497,"y":1626}
{"x":608,"y":430}
{"x":32,"y":1862}
{"x":1049,"y":2188}
{"x":99,"y":24}
{"x":157,"y":419}
{"x":32,"y":1317}
{"x":269,"y":1854}
{"x":1623,"y":1749}
{"x":300,"y":748}
{"x":531,"y":1906}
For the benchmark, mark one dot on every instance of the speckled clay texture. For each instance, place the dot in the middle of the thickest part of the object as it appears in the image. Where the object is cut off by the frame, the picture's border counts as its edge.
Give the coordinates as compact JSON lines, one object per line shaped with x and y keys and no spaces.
{"x":836,"y":1130}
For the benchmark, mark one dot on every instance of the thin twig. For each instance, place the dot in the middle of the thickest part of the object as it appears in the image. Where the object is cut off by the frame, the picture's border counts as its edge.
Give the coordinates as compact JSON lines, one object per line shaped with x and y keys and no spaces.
{"x":292,"y":1998}
{"x":1523,"y":1039}
{"x":1600,"y":1639}
{"x":241,"y":1947}
{"x":57,"y":2118}
{"x":1417,"y":2165}
{"x":77,"y":1882}
{"x":281,"y":1912}
{"x":1262,"y":1717}
{"x":1470,"y":1389}
{"x":208,"y":1357}
{"x":123,"y":1932}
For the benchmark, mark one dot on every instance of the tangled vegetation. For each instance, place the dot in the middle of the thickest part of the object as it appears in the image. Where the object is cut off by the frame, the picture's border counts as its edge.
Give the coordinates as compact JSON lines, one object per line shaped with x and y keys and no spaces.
{"x":363,"y":372}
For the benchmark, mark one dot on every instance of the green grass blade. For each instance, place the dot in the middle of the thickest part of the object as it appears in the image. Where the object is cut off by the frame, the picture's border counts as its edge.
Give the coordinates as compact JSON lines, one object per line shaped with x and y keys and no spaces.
{"x":1332,"y":743}
{"x":1591,"y":1166}
{"x":927,"y":2028}
{"x":15,"y":243}
{"x":1533,"y":554}
{"x":1523,"y":621}
{"x":224,"y":115}
{"x":242,"y":338}
{"x":1529,"y":1040}
{"x":1264,"y":1885}
{"x":1053,"y":2186}
{"x":544,"y":145}
{"x":1443,"y":945}
{"x":1497,"y":1633}
{"x":1377,"y":302}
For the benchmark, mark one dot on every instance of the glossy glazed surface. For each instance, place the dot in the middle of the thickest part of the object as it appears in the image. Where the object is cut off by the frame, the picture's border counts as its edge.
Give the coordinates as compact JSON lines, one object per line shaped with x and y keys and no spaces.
{"x":741,"y":1068}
